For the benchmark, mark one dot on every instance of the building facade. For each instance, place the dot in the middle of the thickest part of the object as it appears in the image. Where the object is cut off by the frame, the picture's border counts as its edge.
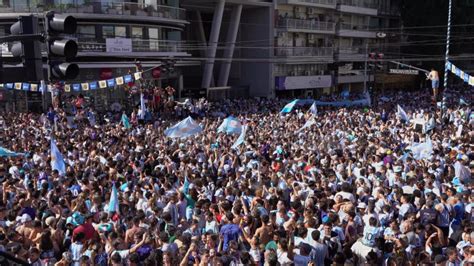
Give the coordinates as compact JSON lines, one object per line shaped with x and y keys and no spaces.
{"x":146,"y":30}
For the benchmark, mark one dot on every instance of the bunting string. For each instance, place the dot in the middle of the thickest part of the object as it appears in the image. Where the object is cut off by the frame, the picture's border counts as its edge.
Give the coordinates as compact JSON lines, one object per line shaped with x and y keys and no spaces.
{"x":460,"y":73}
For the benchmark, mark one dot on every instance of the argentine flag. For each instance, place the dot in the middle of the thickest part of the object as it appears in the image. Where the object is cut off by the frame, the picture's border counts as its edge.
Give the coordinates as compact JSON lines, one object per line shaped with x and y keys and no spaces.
{"x":57,"y":160}
{"x":186,"y":128}
{"x":113,"y":206}
{"x":402,"y":114}
{"x":126,"y":122}
{"x":230,"y":125}
{"x":241,"y":138}
{"x":308,"y":123}
{"x":8,"y":153}
{"x":289,"y":107}
{"x":314,"y":109}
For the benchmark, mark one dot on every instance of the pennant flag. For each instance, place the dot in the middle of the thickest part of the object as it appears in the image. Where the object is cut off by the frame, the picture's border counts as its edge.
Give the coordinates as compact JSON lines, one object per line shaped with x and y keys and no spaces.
{"x":93,"y":85}
{"x":448,"y":66}
{"x":126,"y":122}
{"x":76,"y":87}
{"x":57,"y":161}
{"x":67,"y":88}
{"x":9,"y":86}
{"x":471,"y":80}
{"x":462,"y":102}
{"x":402,"y":114}
{"x":287,"y":108}
{"x":103,"y":84}
{"x":186,"y":128}
{"x":113,"y":206}
{"x":466,"y":78}
{"x":453,"y":68}
{"x":18,"y":86}
{"x":308,"y":123}
{"x":119,"y":81}
{"x":241,"y":138}
{"x":137,"y":75}
{"x":458,"y":72}
{"x":34,"y":87}
{"x":26,"y":86}
{"x":314,"y":109}
{"x":8,"y":153}
{"x":127,"y":78}
{"x":230,"y":125}
{"x":111,"y":83}
{"x":85,"y":86}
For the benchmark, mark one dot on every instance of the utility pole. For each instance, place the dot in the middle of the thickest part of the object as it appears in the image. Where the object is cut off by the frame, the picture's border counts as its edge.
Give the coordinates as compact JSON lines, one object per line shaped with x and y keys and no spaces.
{"x":448,"y":36}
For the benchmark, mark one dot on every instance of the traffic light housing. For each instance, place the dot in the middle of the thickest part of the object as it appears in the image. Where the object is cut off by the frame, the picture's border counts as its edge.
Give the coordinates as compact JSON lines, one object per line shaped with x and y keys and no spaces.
{"x":29,"y":48}
{"x":61,"y":51}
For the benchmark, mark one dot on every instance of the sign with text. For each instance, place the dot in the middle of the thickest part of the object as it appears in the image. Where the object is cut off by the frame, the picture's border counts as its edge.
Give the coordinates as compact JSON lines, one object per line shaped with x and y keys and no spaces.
{"x":303,"y":82}
{"x":404,"y":71}
{"x":118,"y":45}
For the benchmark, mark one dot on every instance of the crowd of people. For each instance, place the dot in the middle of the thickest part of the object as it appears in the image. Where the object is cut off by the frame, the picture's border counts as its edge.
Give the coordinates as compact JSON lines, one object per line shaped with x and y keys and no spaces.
{"x":346,"y":191}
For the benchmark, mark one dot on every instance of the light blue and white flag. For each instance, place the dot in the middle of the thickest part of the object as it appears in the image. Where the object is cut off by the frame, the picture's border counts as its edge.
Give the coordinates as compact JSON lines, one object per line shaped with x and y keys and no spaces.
{"x":462,"y":102}
{"x":113,"y":206}
{"x":230,"y":125}
{"x":241,"y":138}
{"x":289,"y":107}
{"x":8,"y":153}
{"x":126,"y":122}
{"x":308,"y":123}
{"x":186,"y":128}
{"x":314,"y":109}
{"x":423,"y":150}
{"x":57,"y":159}
{"x":402,"y":114}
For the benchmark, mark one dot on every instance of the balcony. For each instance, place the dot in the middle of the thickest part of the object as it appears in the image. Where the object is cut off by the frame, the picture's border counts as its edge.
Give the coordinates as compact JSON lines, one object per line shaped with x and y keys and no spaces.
{"x":306,"y":25}
{"x":355,"y":31}
{"x":139,"y":48}
{"x":350,"y":54}
{"x":304,"y":51}
{"x":118,"y":10}
{"x":362,"y":7}
{"x":93,"y":47}
{"x":330,"y":4}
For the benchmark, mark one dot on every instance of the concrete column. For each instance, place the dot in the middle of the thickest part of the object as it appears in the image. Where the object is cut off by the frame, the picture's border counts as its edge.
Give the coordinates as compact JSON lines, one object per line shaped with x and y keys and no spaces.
{"x":230,"y":43}
{"x":213,"y":41}
{"x":201,"y":36}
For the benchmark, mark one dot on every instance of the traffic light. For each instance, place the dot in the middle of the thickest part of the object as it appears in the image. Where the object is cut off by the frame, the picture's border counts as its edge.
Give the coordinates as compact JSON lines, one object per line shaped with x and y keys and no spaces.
{"x":29,"y":47}
{"x":61,"y":51}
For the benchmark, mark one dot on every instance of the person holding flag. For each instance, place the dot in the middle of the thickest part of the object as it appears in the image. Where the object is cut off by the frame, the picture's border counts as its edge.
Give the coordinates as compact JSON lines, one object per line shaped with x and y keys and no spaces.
{"x":57,"y":160}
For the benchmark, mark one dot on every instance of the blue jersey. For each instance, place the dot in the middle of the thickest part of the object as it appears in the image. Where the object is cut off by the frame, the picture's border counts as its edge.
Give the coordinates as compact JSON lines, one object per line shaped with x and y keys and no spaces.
{"x":370,"y":235}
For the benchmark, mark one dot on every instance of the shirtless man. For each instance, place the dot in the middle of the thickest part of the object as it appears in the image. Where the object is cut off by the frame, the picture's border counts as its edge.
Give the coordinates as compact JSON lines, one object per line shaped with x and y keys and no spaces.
{"x":434,"y":77}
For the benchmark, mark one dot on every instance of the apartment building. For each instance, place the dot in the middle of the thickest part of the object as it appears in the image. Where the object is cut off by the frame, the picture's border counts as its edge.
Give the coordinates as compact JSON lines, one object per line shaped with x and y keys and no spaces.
{"x":322,"y":45}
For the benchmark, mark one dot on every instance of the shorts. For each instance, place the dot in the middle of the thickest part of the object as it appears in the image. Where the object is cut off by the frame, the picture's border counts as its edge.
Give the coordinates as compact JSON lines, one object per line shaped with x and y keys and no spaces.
{"x":435,"y":84}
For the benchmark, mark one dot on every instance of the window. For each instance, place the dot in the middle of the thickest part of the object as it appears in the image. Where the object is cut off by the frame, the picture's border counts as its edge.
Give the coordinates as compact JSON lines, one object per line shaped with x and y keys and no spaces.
{"x":153,"y":34}
{"x":108,"y":31}
{"x":120,"y":32}
{"x":137,"y":32}
{"x":86,"y":31}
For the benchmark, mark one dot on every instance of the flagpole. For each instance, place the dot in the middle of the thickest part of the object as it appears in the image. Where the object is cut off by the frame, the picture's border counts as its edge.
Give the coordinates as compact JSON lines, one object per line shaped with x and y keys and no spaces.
{"x":448,"y":36}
